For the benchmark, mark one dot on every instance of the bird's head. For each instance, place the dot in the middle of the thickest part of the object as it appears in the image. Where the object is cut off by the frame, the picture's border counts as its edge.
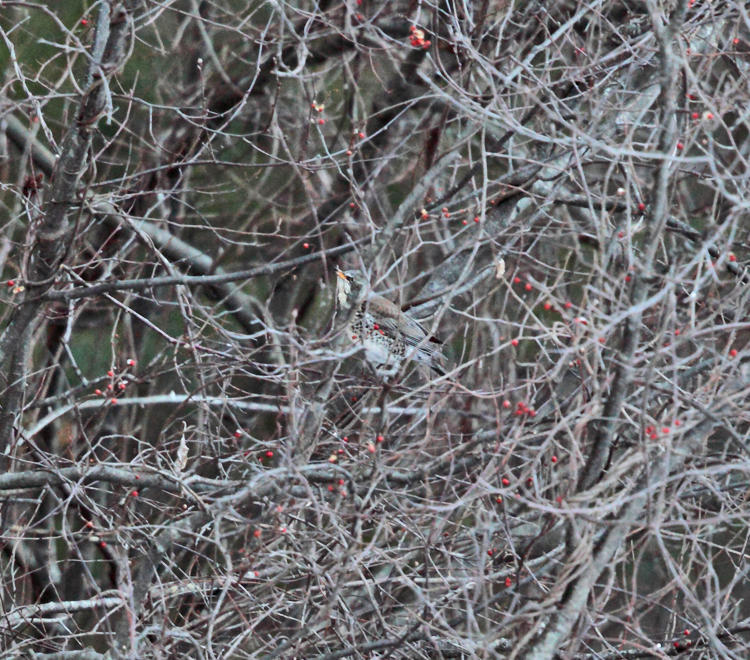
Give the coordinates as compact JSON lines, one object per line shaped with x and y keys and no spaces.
{"x":349,"y":285}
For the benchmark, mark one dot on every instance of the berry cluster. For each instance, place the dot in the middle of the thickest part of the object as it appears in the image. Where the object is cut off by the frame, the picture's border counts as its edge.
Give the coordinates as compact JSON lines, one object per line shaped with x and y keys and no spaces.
{"x":416,"y":38}
{"x":318,"y":107}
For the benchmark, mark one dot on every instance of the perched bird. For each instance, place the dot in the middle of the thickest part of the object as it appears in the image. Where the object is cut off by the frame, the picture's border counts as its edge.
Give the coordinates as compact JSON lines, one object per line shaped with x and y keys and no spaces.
{"x":387,"y":334}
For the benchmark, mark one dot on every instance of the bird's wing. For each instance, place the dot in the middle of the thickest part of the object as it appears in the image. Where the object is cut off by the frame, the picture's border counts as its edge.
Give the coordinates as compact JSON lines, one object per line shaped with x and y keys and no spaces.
{"x":394,"y":322}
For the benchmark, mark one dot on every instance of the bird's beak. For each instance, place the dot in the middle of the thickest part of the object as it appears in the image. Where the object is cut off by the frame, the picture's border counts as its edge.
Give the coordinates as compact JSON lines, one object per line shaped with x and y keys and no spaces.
{"x":340,"y":273}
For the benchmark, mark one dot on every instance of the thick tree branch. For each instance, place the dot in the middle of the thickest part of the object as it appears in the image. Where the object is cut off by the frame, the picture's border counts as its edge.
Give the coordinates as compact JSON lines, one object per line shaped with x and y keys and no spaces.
{"x":50,"y":237}
{"x":631,"y":328}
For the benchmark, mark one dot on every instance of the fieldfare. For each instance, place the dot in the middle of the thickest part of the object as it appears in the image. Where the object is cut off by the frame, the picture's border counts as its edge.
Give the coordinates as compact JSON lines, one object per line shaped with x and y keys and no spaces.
{"x":387,"y":334}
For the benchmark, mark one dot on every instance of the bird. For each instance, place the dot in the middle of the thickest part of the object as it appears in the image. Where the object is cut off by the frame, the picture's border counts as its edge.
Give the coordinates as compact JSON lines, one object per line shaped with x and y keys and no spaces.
{"x":387,"y":334}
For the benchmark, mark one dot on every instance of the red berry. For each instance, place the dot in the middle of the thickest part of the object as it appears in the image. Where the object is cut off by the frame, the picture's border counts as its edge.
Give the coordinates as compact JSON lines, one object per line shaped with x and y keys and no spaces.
{"x":306,"y":246}
{"x":547,"y":306}
{"x":680,"y":146}
{"x":490,"y":552}
{"x":732,"y":257}
{"x":380,"y":438}
{"x":506,"y":404}
{"x":508,"y":582}
{"x":641,"y":206}
{"x":361,"y":135}
{"x":516,"y":280}
{"x":695,"y":115}
{"x":528,"y":287}
{"x":733,"y":352}
{"x":506,"y":481}
{"x":134,"y":493}
{"x":11,"y":283}
{"x":554,"y":459}
{"x":476,"y":218}
{"x":514,"y":342}
{"x":620,"y":234}
{"x":568,"y":305}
